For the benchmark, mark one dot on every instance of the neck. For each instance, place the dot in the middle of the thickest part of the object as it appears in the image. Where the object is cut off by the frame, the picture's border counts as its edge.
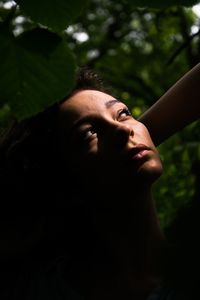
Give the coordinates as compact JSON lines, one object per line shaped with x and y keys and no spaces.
{"x":132,"y":230}
{"x":129,"y":240}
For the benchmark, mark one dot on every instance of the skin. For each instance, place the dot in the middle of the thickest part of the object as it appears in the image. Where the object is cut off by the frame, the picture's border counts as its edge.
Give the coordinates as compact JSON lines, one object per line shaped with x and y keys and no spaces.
{"x":113,"y":156}
{"x":180,"y":103}
{"x":129,"y":241}
{"x":102,"y":134}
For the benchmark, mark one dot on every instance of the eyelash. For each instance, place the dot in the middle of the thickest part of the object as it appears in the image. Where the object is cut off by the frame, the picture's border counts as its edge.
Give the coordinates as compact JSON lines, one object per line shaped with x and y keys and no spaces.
{"x":92,"y":130}
{"x":88,"y":133}
{"x":126,"y":111}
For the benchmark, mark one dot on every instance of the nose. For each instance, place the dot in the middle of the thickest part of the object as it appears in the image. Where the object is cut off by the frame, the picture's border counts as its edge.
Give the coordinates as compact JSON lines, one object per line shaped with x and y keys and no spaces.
{"x":120,"y":133}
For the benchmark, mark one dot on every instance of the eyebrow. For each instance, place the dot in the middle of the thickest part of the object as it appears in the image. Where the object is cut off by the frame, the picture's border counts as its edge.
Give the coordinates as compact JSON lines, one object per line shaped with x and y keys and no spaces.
{"x":91,"y":118}
{"x":110,"y":103}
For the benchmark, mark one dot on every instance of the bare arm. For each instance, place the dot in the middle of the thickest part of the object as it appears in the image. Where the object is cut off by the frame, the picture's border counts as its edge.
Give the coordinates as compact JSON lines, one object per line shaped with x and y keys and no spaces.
{"x":178,"y":107}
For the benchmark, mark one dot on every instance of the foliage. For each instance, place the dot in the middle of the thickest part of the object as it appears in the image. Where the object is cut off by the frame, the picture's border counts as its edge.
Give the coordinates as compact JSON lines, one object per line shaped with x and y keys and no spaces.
{"x":27,"y":60}
{"x":177,"y":185}
{"x":37,"y":64}
{"x":139,"y":52}
{"x":21,"y":23}
{"x":56,"y":15}
{"x":140,"y":55}
{"x":161,"y":4}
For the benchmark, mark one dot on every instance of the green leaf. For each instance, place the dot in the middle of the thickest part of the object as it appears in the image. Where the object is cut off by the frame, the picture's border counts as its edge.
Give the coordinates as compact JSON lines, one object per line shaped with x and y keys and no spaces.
{"x":57,"y":15}
{"x":37,"y":69}
{"x":160,"y":4}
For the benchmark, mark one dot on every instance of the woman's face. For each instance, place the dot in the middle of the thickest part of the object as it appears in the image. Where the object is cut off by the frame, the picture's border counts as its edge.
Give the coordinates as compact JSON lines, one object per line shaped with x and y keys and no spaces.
{"x":102,"y":141}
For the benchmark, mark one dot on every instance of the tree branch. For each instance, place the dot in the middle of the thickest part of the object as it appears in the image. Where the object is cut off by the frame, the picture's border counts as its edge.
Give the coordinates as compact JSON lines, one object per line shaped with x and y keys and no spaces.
{"x":183,"y":46}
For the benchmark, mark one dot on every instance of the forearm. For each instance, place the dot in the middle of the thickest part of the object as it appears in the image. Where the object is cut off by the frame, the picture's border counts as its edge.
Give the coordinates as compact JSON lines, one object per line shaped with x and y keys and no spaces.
{"x":178,"y":107}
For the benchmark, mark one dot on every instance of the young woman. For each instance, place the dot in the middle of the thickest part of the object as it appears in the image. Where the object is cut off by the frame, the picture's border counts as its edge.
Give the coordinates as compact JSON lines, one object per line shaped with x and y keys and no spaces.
{"x":90,"y":162}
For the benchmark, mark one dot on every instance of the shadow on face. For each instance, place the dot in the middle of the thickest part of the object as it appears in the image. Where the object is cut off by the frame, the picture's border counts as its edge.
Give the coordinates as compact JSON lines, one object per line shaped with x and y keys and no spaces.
{"x":104,"y":144}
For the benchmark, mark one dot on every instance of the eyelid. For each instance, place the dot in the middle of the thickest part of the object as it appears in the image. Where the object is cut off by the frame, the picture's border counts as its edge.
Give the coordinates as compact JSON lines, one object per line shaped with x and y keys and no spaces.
{"x":124,"y":110}
{"x":86,"y":127}
{"x":84,"y":131}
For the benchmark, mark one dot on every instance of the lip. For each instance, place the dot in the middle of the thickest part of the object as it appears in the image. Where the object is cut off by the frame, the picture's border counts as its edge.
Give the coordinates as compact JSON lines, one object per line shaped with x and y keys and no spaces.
{"x":138,"y":152}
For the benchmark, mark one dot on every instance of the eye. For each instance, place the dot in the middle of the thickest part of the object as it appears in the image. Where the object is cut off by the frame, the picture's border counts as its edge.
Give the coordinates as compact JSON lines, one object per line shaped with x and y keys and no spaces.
{"x":124,"y":113}
{"x":89,"y":133}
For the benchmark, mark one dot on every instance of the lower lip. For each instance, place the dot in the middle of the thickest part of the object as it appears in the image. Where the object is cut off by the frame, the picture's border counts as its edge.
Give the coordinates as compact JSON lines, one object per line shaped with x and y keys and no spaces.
{"x":140,"y":154}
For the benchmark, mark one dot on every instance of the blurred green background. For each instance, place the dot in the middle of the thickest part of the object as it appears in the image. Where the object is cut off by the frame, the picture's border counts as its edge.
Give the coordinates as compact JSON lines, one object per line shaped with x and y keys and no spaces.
{"x":139,"y":51}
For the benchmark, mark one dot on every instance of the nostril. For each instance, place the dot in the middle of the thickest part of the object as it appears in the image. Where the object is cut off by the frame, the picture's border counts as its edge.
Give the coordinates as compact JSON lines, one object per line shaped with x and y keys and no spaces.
{"x":131,"y":132}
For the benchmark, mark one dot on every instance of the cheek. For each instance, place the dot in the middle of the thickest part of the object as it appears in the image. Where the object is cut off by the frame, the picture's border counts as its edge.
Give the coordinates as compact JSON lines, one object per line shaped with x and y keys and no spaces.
{"x":83,"y":160}
{"x":144,"y":134}
{"x":80,"y":159}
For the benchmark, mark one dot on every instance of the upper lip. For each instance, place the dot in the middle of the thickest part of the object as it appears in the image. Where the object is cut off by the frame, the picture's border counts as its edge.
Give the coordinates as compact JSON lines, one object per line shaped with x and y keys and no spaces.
{"x":137,"y":148}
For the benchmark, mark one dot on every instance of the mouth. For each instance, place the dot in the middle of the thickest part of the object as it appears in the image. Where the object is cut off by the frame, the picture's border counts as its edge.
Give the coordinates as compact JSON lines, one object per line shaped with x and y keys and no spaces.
{"x":138,"y":152}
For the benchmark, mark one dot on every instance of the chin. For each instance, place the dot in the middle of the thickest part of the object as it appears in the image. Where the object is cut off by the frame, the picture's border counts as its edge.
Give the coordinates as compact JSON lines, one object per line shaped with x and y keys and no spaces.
{"x":150,"y":171}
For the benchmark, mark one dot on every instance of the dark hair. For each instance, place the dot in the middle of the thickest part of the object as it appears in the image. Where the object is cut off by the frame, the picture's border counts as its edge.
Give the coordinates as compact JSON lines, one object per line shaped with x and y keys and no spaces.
{"x":29,"y":159}
{"x":34,"y":182}
{"x":86,"y":79}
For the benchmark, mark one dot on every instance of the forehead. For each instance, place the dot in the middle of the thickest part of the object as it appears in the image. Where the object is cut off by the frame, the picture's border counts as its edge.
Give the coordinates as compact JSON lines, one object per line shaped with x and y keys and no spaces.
{"x":84,"y":103}
{"x":86,"y":99}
